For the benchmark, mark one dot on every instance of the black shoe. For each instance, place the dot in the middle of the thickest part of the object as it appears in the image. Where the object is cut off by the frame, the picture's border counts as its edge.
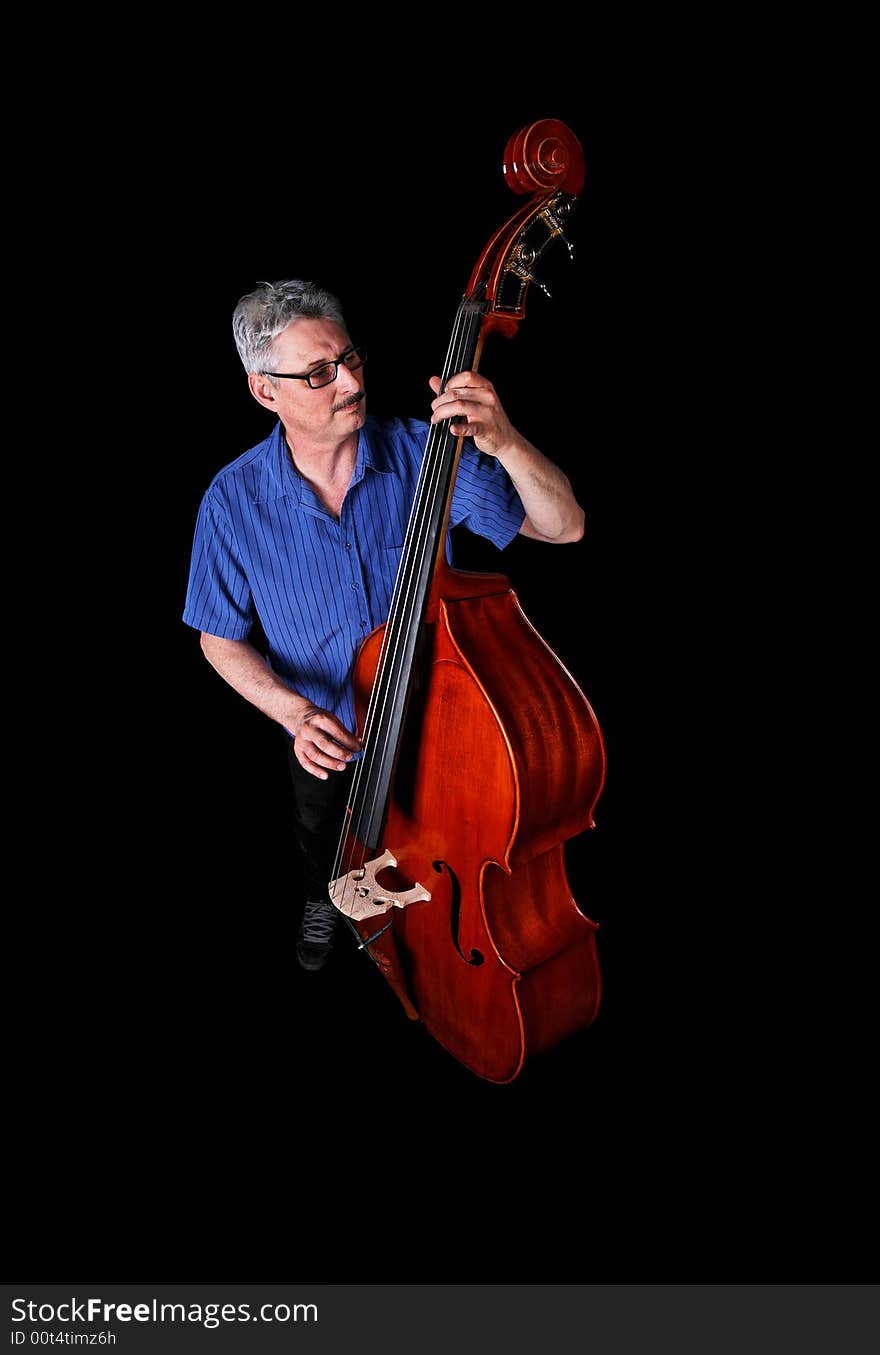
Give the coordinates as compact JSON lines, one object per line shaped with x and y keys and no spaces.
{"x":315,"y":937}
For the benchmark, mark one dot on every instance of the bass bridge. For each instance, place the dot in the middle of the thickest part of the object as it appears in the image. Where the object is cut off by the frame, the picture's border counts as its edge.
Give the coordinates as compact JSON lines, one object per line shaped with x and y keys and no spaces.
{"x":359,"y":894}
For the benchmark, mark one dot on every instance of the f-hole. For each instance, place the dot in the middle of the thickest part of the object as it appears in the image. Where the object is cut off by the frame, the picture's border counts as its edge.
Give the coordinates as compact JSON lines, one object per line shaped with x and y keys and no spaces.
{"x":455,"y":913}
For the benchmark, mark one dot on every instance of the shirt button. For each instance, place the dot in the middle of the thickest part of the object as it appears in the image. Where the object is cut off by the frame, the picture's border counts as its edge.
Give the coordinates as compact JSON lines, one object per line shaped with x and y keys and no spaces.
{"x":348,"y":545}
{"x":355,"y":587}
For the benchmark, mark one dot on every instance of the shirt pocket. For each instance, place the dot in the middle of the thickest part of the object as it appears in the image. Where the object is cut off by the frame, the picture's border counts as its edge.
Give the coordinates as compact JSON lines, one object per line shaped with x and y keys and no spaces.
{"x":390,"y":556}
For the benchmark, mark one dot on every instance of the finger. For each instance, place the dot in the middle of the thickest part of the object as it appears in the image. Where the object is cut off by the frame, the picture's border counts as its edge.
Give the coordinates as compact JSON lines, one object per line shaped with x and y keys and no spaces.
{"x":317,"y":743}
{"x":468,"y":381}
{"x":324,"y":721}
{"x":464,"y":401}
{"x":318,"y":772}
{"x":309,"y":766}
{"x":333,"y":742}
{"x":445,"y":408}
{"x":346,"y":739}
{"x":313,"y":757}
{"x":459,"y":381}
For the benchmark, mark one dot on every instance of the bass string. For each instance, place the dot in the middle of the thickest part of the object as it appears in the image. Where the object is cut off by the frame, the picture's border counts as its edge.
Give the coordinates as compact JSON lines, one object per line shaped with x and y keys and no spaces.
{"x":391,"y":681}
{"x":386,"y":688}
{"x":427,"y":516}
{"x":364,"y":774}
{"x":364,"y":767}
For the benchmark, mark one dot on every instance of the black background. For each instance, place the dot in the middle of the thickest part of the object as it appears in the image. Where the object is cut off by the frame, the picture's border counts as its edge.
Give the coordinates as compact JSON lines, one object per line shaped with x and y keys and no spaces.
{"x":187,"y":1103}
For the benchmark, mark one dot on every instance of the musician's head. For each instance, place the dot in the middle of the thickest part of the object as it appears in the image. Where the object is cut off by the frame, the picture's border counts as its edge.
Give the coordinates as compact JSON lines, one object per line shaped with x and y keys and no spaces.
{"x":265,"y":313}
{"x":294,"y":344}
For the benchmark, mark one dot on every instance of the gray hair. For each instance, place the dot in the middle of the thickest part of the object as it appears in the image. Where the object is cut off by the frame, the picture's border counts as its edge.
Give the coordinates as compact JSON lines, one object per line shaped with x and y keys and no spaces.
{"x":264,"y":313}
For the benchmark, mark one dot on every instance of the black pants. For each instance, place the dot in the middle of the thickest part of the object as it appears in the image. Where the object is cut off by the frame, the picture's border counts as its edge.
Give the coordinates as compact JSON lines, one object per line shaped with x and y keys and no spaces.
{"x":320,"y":806}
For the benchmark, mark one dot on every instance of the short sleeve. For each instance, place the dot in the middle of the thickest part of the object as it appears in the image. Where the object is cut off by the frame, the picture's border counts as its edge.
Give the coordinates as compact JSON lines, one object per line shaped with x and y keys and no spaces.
{"x":484,"y":499}
{"x":218,"y":597}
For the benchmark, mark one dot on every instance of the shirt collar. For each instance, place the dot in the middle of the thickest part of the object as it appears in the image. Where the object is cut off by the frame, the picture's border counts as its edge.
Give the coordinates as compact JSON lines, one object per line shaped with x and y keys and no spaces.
{"x":280,"y":478}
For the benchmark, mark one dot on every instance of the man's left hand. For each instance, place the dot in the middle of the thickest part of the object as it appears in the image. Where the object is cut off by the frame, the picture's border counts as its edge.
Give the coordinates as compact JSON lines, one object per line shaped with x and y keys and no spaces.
{"x":476,"y":412}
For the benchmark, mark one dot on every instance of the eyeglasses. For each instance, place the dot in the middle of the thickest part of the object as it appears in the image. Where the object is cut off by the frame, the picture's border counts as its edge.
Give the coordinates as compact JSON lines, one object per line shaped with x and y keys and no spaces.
{"x":352,"y":358}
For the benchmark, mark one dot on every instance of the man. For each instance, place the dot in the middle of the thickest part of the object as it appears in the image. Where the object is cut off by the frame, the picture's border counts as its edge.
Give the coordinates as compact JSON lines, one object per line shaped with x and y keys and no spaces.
{"x":305,"y":531}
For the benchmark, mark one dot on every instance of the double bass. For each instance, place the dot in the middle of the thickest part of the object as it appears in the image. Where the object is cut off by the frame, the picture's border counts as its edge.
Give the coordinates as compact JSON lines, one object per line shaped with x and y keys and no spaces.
{"x":481,"y":755}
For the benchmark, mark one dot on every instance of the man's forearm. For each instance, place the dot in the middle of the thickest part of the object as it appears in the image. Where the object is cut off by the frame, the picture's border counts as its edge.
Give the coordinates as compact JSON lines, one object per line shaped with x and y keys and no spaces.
{"x":552,"y":511}
{"x":248,"y":673}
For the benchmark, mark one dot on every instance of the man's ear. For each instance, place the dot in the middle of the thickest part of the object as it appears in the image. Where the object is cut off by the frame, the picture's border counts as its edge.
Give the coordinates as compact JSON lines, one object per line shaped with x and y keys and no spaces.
{"x":263,"y":391}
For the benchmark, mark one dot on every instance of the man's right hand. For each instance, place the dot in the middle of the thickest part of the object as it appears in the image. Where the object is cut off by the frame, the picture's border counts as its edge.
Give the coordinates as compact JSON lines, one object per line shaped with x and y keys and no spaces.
{"x":321,"y":743}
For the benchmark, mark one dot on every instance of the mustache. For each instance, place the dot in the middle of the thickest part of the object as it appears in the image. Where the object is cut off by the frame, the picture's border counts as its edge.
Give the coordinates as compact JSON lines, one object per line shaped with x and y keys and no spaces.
{"x":347,"y":403}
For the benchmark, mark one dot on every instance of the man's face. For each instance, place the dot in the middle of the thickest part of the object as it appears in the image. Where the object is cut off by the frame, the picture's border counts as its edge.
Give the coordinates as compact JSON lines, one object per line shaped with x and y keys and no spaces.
{"x":325,"y":415}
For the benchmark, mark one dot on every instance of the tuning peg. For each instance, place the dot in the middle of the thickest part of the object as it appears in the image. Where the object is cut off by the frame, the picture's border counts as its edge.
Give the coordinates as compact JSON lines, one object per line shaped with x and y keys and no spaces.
{"x":555,"y":218}
{"x":522,"y":266}
{"x":528,"y":276}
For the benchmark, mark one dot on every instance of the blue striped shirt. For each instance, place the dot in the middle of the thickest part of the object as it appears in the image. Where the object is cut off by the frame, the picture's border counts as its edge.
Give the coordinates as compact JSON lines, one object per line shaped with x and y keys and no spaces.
{"x":266,"y":545}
